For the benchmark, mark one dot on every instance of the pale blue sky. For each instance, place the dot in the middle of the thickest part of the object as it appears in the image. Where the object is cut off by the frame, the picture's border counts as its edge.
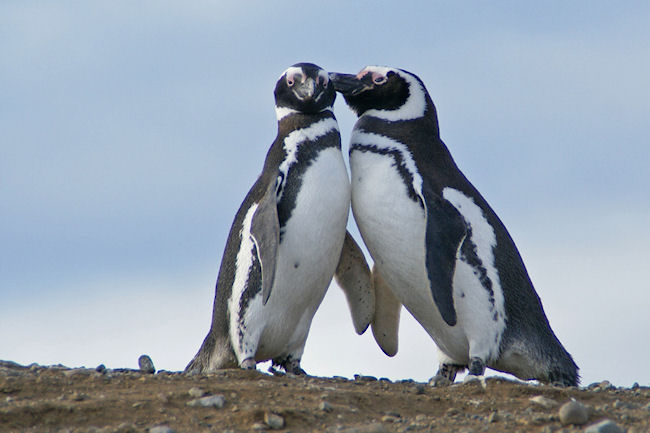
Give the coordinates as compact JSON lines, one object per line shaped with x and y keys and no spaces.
{"x":130,"y":132}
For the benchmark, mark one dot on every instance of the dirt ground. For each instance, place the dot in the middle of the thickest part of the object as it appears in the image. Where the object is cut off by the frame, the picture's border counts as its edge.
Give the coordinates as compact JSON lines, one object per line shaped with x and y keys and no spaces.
{"x":62,"y":400}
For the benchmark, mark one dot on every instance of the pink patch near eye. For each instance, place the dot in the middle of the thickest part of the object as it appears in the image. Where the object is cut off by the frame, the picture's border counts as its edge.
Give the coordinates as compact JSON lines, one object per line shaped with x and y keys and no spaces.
{"x":378,"y":78}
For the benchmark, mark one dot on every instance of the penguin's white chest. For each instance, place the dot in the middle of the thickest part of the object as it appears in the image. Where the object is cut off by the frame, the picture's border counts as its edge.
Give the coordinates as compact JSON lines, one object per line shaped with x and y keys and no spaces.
{"x":308,"y":253}
{"x":393,"y":227}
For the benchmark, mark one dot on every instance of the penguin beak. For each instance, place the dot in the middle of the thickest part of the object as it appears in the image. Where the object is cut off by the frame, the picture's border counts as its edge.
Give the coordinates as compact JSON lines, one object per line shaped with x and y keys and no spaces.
{"x":305,"y":90}
{"x":347,"y":84}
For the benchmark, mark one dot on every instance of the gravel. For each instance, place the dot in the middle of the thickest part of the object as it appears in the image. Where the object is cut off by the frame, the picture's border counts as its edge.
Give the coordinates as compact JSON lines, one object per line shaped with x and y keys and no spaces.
{"x":273,"y":420}
{"x":573,"y":412}
{"x":217,"y":401}
{"x":545,"y":402}
{"x":605,"y":426}
{"x":146,"y":364}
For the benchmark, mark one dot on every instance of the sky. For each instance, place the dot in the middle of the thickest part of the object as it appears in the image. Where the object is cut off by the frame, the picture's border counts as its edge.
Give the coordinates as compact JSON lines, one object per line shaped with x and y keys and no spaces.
{"x":130,"y":133}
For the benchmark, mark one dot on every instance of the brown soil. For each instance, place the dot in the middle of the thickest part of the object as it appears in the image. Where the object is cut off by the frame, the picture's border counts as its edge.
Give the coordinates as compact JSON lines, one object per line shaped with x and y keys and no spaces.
{"x":58,"y":399}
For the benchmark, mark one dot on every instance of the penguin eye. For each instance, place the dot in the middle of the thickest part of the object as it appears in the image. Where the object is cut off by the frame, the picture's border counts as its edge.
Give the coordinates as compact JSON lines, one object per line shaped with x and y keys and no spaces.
{"x":379,"y":79}
{"x":289,"y":81}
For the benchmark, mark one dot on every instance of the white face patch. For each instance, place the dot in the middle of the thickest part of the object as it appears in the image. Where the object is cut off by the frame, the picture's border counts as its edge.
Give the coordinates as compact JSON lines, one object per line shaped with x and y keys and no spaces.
{"x":291,"y":72}
{"x":382,"y":142}
{"x":415,"y":104}
{"x":293,"y":141}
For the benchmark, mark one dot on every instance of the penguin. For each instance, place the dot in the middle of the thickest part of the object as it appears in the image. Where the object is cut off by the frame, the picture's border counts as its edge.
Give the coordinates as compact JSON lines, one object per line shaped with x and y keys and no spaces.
{"x":438,"y":247}
{"x":288,"y":239}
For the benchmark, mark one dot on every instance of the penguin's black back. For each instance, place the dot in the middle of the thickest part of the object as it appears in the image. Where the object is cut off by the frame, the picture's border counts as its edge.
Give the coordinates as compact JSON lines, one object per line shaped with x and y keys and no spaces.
{"x":527,"y":326}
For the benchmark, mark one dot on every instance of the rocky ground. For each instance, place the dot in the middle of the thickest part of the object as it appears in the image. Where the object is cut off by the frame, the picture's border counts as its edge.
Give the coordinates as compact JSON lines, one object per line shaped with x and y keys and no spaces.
{"x":63,"y":400}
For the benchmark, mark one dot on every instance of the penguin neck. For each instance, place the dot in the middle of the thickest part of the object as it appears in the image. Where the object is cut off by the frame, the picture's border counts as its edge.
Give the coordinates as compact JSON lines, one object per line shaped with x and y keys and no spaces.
{"x":421,"y":135}
{"x":297,"y":120}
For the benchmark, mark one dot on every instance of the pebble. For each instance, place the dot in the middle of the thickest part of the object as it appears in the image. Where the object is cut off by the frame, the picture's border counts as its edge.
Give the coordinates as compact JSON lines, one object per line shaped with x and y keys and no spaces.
{"x":368,"y":428}
{"x":452,"y":411}
{"x":196,"y":392}
{"x":274,"y":421}
{"x":146,"y":364}
{"x":389,"y":418}
{"x":217,"y":401}
{"x":545,"y":402}
{"x":258,"y":426}
{"x":161,"y":429}
{"x":605,"y":426}
{"x":361,"y":378}
{"x":494,"y":417}
{"x":325,"y":406}
{"x":573,"y":412}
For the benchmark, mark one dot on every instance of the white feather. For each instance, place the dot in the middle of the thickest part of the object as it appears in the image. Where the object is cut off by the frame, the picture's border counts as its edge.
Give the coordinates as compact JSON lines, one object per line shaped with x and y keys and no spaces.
{"x":415,"y":104}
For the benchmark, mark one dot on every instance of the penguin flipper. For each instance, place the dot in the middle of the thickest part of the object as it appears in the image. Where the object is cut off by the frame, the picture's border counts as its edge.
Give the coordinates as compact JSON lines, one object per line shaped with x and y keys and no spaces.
{"x":265,"y":231}
{"x":385,"y":323}
{"x":445,"y":231}
{"x":354,"y":278}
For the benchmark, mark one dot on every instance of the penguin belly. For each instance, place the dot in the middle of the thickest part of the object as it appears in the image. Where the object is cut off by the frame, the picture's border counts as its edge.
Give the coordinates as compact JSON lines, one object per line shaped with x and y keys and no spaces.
{"x":308,"y":253}
{"x":392,"y":225}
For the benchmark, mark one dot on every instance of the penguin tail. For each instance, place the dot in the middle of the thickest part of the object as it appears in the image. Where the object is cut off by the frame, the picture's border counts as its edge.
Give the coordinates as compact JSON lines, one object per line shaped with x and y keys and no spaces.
{"x":563,"y":371}
{"x":211,"y":356}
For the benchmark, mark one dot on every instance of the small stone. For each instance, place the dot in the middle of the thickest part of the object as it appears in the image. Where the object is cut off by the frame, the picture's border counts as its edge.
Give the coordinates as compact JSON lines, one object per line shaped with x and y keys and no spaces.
{"x":420,"y":417}
{"x":274,"y":421}
{"x":217,"y":401}
{"x":420,"y":389}
{"x":361,"y":378}
{"x":161,"y":429}
{"x":545,"y":402}
{"x":548,"y":429}
{"x":367,"y":428}
{"x":325,"y":406}
{"x":258,"y":426}
{"x":146,"y":364}
{"x":605,"y":426}
{"x":196,"y":392}
{"x":573,"y":412}
{"x":439,"y":381}
{"x":618,"y":404}
{"x":452,"y":411}
{"x":389,"y":418}
{"x":494,"y":417}
{"x":605,"y":385}
{"x":79,"y":396}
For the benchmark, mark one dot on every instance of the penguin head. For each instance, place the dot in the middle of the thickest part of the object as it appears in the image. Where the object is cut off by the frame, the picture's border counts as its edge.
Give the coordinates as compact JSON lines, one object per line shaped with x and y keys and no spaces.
{"x":304,"y":88}
{"x":388,"y":93}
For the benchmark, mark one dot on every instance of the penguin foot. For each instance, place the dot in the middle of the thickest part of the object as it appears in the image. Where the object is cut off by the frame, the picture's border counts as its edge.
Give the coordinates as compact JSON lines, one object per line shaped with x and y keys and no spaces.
{"x":290,"y":365}
{"x":248,"y":364}
{"x":446,"y":374}
{"x":476,"y":367}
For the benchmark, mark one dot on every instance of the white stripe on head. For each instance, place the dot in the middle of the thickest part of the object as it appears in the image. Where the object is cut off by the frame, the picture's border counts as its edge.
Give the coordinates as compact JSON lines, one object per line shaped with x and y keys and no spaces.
{"x":282,"y":112}
{"x":415,"y":104}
